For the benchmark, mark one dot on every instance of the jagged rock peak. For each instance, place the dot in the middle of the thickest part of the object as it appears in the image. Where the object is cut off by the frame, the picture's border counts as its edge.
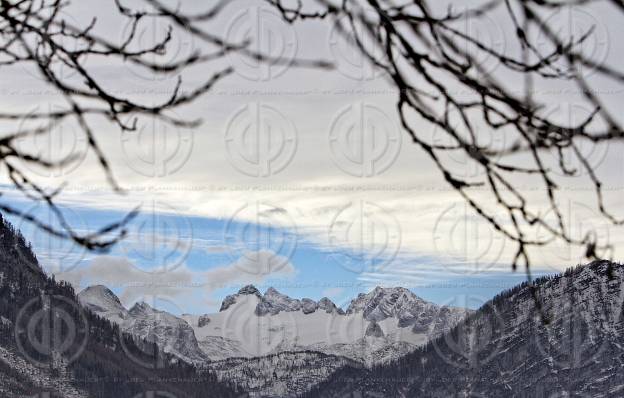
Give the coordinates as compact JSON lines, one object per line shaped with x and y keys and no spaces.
{"x":308,"y":306}
{"x":102,"y":301}
{"x":249,"y":289}
{"x":274,"y":302}
{"x":382,"y":303}
{"x":243,"y":291}
{"x":141,"y":307}
{"x":99,"y":291}
{"x":329,"y":306}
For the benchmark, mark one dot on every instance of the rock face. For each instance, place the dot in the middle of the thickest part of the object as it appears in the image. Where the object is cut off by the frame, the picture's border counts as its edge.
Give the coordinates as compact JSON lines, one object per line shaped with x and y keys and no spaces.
{"x":231,"y":299}
{"x":378,"y":327}
{"x":286,"y":374}
{"x":329,"y":307}
{"x":408,"y":308}
{"x":308,"y":306}
{"x":274,"y":302}
{"x":203,"y":320}
{"x":173,"y":334}
{"x":382,"y":303}
{"x":104,"y":302}
{"x":374,"y":330}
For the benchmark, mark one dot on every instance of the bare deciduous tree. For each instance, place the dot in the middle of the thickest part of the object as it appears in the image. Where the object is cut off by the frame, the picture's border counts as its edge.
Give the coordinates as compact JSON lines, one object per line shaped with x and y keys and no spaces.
{"x":440,"y":79}
{"x":434,"y":66}
{"x":37,"y":35}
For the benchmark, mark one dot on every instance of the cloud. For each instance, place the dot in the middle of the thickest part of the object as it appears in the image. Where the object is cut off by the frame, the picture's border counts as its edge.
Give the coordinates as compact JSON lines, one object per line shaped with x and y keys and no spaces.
{"x":181,"y":285}
{"x":251,"y":267}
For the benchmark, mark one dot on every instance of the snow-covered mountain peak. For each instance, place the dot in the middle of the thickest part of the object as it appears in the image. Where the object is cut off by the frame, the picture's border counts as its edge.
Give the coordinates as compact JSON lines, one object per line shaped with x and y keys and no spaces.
{"x":328,"y":306}
{"x":382,"y":303}
{"x":173,"y":334}
{"x":405,"y":306}
{"x":248,"y":290}
{"x":102,"y":300}
{"x":142,"y":308}
{"x":271,"y":292}
{"x":274,"y":302}
{"x":101,"y":294}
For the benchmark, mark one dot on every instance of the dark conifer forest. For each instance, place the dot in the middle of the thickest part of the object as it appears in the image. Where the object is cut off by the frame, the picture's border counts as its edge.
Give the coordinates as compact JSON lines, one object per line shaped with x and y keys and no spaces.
{"x":102,"y":367}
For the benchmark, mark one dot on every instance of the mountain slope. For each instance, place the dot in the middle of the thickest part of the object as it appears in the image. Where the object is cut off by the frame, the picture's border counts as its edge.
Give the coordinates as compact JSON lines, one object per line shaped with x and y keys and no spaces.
{"x":506,"y":349}
{"x":84,"y":347}
{"x":250,"y":324}
{"x":377,"y":327}
{"x":285,"y":374}
{"x":172,"y":334}
{"x":252,"y":331}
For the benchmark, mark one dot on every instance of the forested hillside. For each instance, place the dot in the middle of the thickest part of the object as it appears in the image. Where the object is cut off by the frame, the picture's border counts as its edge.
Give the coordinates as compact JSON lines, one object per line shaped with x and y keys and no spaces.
{"x":573,"y":346}
{"x":76,"y":353}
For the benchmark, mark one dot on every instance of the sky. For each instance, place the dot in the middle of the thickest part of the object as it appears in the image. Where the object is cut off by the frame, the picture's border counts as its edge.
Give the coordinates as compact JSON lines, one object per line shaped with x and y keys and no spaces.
{"x":297,"y":178}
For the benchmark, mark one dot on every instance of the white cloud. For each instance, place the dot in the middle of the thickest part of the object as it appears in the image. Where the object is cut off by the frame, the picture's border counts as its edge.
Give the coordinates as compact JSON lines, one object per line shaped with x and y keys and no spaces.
{"x":180,"y":285}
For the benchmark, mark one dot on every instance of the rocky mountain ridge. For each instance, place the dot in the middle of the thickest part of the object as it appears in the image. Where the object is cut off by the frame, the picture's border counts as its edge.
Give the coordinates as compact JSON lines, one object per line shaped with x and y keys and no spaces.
{"x":390,"y":314}
{"x":560,"y":336}
{"x":274,"y":302}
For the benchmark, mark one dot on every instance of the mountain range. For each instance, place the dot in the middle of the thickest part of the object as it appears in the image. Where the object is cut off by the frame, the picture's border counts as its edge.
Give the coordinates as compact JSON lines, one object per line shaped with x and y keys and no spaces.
{"x":52,"y":347}
{"x":375,"y":328}
{"x":251,"y":328}
{"x":556,"y":336}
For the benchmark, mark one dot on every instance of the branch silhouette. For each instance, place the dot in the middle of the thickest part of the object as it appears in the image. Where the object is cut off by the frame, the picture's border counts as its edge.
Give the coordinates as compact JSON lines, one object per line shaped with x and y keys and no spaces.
{"x":36,"y":34}
{"x":435,"y":64}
